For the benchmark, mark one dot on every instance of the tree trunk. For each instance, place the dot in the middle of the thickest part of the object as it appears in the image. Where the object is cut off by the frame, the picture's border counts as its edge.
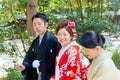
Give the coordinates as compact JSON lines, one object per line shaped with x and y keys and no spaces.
{"x":31,"y":10}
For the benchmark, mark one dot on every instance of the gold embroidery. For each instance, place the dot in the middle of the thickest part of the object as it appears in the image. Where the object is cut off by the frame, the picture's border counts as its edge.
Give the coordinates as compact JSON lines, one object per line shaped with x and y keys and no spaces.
{"x":72,"y":74}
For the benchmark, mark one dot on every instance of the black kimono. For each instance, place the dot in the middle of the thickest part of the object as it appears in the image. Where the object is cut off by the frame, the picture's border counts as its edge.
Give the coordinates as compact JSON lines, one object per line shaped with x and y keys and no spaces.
{"x":45,"y":53}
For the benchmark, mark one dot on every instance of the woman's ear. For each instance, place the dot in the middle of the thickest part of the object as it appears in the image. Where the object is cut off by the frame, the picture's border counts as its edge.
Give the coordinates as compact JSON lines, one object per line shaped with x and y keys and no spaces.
{"x":97,"y":48}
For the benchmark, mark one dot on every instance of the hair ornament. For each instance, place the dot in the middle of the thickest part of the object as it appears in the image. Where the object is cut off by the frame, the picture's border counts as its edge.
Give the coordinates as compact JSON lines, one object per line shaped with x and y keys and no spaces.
{"x":71,"y":24}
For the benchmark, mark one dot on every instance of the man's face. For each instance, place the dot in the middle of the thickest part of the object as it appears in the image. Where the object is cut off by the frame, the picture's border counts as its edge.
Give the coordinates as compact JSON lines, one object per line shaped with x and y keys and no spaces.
{"x":39,"y":26}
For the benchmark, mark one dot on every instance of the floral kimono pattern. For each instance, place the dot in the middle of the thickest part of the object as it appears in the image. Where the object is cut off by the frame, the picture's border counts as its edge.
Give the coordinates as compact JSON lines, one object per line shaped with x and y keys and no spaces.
{"x":71,"y":64}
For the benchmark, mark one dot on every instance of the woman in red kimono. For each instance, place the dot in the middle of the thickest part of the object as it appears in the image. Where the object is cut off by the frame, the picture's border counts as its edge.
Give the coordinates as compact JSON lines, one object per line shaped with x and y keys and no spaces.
{"x":70,"y":64}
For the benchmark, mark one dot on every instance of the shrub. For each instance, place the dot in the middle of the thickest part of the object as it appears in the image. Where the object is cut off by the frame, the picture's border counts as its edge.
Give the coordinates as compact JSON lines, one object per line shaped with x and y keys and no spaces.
{"x":116,"y":58}
{"x":13,"y":74}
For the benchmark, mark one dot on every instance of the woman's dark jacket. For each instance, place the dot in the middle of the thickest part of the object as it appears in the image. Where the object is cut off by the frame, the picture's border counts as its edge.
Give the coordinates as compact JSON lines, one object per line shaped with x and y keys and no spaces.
{"x":45,"y":53}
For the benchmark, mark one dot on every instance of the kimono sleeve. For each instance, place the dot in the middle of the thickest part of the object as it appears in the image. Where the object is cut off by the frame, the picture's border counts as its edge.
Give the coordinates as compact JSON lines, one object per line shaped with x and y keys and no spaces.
{"x":27,"y":62}
{"x":107,"y":71}
{"x":54,"y":46}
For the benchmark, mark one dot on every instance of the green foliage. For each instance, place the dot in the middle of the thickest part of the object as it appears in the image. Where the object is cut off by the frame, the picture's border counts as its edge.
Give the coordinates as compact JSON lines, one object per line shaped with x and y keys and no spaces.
{"x":116,"y":58}
{"x":113,"y":5}
{"x":13,"y":74}
{"x":116,"y":28}
{"x":93,"y":23}
{"x":86,"y":14}
{"x":21,"y":3}
{"x":2,"y":48}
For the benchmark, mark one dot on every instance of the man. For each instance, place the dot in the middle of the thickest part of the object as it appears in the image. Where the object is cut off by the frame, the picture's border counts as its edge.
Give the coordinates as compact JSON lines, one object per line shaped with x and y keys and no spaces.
{"x":43,"y":50}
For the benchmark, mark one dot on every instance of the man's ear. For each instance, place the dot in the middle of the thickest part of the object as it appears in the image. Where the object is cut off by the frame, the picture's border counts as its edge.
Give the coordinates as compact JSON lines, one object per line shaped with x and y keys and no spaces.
{"x":46,"y":24}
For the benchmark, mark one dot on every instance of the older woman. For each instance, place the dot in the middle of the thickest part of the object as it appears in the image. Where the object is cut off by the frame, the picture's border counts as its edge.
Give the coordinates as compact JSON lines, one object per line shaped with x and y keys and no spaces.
{"x":102,"y":67}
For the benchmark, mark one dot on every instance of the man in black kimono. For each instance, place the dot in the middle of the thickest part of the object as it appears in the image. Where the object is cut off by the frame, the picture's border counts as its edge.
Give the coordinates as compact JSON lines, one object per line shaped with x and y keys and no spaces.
{"x":43,"y":49}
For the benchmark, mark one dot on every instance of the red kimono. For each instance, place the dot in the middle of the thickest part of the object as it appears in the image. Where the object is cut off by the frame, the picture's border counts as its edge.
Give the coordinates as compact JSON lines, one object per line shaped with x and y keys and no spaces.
{"x":70,"y":64}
